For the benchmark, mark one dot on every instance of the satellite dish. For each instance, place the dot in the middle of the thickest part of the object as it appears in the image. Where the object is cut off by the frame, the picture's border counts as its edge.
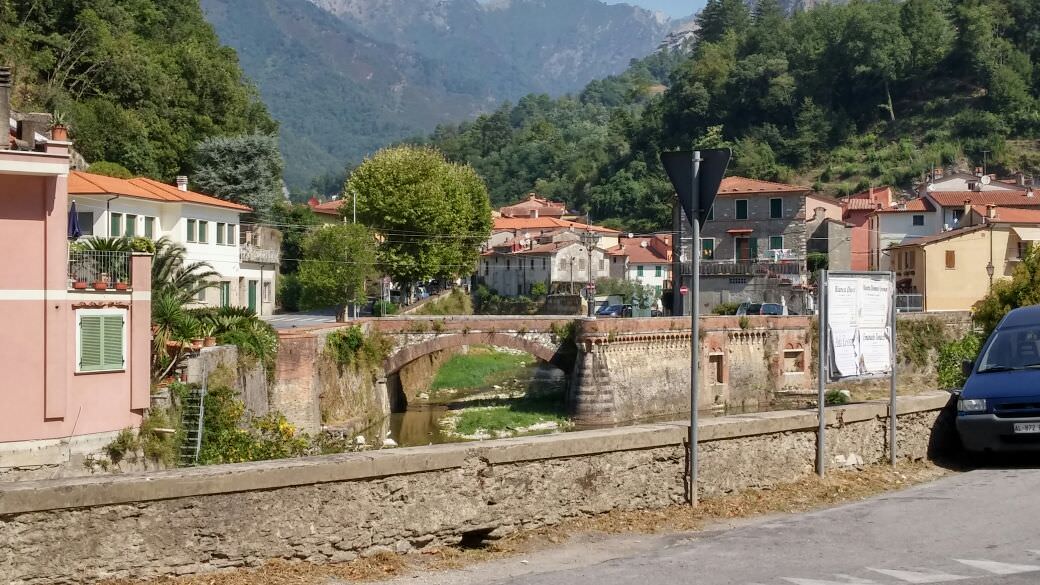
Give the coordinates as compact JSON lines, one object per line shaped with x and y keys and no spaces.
{"x":930,"y":188}
{"x":986,"y":180}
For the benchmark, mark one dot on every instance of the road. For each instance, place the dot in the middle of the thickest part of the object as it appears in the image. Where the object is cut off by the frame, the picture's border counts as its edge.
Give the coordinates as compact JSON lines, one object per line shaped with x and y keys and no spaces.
{"x":976,"y":528}
{"x":301,"y":320}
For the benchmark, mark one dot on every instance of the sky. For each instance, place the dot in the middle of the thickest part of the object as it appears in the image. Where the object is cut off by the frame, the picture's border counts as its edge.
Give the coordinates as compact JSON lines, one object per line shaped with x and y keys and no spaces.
{"x":673,"y":8}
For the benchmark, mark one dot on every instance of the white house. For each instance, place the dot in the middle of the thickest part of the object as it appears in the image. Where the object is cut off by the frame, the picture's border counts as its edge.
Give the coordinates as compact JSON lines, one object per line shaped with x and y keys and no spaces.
{"x":563,"y":266}
{"x":646,"y":260}
{"x":898,"y":225}
{"x":209,"y":228}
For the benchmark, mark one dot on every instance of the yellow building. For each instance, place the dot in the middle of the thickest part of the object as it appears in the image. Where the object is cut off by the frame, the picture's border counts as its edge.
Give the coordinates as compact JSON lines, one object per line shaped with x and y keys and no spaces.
{"x":953,"y":270}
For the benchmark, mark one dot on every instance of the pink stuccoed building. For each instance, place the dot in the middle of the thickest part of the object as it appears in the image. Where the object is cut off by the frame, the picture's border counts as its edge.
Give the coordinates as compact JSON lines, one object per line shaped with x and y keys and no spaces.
{"x":74,"y":359}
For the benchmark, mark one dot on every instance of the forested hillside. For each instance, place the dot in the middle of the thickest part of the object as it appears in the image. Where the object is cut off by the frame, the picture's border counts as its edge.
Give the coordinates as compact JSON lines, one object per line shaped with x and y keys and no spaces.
{"x":140,"y":81}
{"x":347,"y":77}
{"x":840,"y":97}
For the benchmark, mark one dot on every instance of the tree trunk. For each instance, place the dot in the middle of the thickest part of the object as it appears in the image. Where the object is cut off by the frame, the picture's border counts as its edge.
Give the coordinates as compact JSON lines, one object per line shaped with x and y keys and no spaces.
{"x":891,"y":110}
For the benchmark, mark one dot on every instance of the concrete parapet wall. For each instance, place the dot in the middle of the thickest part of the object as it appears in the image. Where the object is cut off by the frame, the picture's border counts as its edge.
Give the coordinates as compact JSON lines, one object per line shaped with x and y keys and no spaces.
{"x":331,"y":509}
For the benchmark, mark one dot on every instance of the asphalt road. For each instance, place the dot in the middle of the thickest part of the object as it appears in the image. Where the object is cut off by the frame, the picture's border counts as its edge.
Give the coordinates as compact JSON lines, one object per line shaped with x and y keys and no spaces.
{"x":977,"y":528}
{"x":301,"y":320}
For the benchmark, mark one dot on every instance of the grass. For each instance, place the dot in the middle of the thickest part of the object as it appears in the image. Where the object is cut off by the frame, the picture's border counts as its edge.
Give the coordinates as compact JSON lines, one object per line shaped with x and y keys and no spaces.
{"x":455,"y":303}
{"x":523,"y":413}
{"x":480,"y":367}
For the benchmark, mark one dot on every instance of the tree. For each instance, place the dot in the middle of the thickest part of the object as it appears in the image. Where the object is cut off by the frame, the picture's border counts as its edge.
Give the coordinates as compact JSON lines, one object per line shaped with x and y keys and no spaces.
{"x":432,"y":215}
{"x":930,"y":32}
{"x":1022,"y":290}
{"x":295,"y":221}
{"x":722,"y":16}
{"x":337,"y":262}
{"x":877,"y":46}
{"x":173,"y":276}
{"x":245,"y":169}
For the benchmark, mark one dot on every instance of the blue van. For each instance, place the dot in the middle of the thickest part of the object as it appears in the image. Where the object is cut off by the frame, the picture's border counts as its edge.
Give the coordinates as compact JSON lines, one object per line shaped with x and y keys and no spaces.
{"x":999,"y":406}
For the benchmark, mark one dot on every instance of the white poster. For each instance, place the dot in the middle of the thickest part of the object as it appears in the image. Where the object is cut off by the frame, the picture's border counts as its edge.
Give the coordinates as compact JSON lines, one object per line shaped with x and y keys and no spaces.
{"x":859,"y":309}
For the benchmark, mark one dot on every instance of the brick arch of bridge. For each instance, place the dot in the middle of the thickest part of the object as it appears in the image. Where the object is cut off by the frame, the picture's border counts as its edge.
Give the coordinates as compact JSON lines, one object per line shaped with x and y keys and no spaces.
{"x":410,"y":353}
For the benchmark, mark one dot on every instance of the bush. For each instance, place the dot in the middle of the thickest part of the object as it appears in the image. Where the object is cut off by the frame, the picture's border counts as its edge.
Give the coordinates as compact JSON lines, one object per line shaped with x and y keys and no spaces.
{"x":456,"y":303}
{"x":952,"y":354}
{"x":383,"y":309}
{"x":289,"y":291}
{"x":351,"y":347}
{"x":539,"y":290}
{"x":226,"y":437}
{"x":726,"y":309}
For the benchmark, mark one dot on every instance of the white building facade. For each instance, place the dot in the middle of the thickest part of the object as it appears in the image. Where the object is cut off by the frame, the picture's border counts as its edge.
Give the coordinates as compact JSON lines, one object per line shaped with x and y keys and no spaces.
{"x":209,"y":229}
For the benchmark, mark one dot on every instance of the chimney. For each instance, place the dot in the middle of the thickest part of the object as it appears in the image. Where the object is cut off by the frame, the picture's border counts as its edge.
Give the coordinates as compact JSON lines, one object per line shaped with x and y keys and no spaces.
{"x":182,"y":182}
{"x":533,"y":213}
{"x":5,"y":107}
{"x":978,"y":172}
{"x":991,"y":211}
{"x":967,"y":210}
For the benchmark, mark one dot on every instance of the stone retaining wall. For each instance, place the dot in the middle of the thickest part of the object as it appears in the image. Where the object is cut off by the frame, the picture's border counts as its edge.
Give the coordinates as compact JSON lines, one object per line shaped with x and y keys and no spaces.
{"x":332,"y":509}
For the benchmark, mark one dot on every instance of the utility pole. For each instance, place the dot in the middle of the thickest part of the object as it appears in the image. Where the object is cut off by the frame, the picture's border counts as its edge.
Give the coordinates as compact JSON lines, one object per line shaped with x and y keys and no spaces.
{"x":677,"y":300}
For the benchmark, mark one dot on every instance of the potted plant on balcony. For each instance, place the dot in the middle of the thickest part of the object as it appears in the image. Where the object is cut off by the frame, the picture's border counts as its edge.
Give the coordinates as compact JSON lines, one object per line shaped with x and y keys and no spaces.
{"x":209,"y":332}
{"x":102,"y":282}
{"x":79,"y":283}
{"x":121,"y":284}
{"x":59,"y":126}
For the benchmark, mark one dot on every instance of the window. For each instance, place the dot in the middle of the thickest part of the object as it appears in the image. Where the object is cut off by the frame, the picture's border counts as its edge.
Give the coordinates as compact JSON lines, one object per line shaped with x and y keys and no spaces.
{"x":658,"y":271}
{"x":86,"y":222}
{"x":581,"y":264}
{"x":266,"y":292}
{"x":1023,"y":248}
{"x":957,"y":215}
{"x":231,"y":234}
{"x":200,"y":296}
{"x":149,"y":227}
{"x":639,"y":271}
{"x":776,"y":208}
{"x":602,"y":265}
{"x":203,"y":232}
{"x":532,"y":263}
{"x":100,"y":345}
{"x":115,"y":224}
{"x":225,"y":294}
{"x":220,"y":234}
{"x":708,"y":248}
{"x":776,"y":242}
{"x":131,"y":226}
{"x":508,"y":264}
{"x":563,"y":264}
{"x":741,"y":209}
{"x":192,"y":230}
{"x":951,"y":259}
{"x":918,"y":220}
{"x":545,"y":264}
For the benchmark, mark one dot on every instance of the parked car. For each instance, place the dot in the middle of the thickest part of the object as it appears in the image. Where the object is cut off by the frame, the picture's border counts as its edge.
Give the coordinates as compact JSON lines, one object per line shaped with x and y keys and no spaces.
{"x":774,"y":309}
{"x":749,"y":308}
{"x":998,"y":408}
{"x":612,"y":311}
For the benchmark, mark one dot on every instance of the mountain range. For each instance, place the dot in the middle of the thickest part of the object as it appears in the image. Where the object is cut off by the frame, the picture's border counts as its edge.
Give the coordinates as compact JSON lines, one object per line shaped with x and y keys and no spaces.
{"x":346,"y":77}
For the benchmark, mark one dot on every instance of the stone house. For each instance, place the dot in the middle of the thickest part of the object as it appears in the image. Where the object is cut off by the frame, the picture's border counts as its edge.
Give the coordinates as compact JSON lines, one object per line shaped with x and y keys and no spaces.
{"x":562,"y":265}
{"x":856,"y":213}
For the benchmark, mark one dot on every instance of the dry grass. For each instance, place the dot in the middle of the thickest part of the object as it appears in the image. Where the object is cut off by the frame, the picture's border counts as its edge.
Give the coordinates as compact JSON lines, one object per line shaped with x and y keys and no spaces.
{"x":804,"y":495}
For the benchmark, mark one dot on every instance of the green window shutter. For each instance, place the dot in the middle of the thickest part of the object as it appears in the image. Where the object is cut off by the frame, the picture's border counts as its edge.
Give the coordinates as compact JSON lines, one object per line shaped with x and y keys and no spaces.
{"x":112,"y":357}
{"x":115,"y":224}
{"x":191,"y":230}
{"x":776,"y":208}
{"x":754,"y":248}
{"x":203,"y":232}
{"x":90,"y":343}
{"x":131,"y":226}
{"x":220,"y":234}
{"x":149,"y":227}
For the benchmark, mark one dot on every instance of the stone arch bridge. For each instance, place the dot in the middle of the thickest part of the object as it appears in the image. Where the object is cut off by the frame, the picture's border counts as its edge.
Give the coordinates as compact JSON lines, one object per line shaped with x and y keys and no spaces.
{"x":619,"y":369}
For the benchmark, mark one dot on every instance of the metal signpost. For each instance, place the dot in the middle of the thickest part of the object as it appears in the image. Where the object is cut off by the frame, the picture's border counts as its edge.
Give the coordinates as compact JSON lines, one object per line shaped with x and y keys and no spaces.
{"x":857,"y":340}
{"x":696,"y":177}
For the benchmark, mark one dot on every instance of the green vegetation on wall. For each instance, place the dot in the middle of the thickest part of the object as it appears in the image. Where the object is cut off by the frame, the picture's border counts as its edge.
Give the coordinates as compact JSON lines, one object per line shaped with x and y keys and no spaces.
{"x":353,"y":347}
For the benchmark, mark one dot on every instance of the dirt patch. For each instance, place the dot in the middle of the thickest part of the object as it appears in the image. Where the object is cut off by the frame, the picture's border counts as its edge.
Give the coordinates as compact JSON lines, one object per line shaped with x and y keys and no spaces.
{"x":801,"y":496}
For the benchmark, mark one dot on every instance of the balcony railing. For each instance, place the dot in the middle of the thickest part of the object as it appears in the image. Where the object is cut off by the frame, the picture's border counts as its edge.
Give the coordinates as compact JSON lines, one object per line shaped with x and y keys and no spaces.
{"x":98,"y":270}
{"x":909,"y":303}
{"x":251,"y":253}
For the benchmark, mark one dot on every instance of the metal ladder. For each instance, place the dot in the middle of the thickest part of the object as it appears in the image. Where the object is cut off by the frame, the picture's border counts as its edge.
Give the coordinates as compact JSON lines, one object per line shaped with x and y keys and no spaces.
{"x":193,"y":416}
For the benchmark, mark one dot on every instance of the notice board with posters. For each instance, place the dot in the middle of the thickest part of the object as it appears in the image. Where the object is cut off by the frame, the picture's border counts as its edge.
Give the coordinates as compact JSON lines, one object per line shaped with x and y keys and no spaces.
{"x":860,"y":325}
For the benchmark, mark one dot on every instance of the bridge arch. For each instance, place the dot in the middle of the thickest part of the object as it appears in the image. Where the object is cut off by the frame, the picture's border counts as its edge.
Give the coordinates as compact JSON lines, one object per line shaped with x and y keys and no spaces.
{"x":409,"y":353}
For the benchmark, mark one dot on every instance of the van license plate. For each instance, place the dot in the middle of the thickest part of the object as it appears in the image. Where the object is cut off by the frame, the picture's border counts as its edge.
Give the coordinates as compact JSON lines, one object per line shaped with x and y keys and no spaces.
{"x":1027,"y":428}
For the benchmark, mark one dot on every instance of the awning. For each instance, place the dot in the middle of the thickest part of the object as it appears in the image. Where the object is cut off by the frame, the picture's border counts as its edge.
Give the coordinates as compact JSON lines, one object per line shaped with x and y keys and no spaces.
{"x":739,"y":231}
{"x":1027,"y":234}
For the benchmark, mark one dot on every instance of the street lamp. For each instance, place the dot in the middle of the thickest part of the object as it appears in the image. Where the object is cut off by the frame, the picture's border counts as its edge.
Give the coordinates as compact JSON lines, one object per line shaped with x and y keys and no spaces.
{"x":989,"y":272}
{"x":590,"y":239}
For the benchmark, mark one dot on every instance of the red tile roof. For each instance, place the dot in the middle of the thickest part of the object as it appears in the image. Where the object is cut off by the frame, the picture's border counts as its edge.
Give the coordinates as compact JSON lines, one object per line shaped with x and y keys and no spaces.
{"x":957,"y":198}
{"x":81,"y":183}
{"x":544,"y":207}
{"x":912,"y":205}
{"x":546,"y":223}
{"x":638,"y":254}
{"x":860,"y":204}
{"x":327,"y":208}
{"x":1011,"y":214}
{"x":745,"y":186}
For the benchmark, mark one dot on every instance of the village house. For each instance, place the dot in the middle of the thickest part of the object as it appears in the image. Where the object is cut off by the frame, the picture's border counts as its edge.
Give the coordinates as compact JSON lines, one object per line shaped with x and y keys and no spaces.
{"x":856,"y":212}
{"x":76,"y":361}
{"x":952,"y":270}
{"x":535,"y":206}
{"x":755,"y":242}
{"x":210,"y":229}
{"x":645,"y":260}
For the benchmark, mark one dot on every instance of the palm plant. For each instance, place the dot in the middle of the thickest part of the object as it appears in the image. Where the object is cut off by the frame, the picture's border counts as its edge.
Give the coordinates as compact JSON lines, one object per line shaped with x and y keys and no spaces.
{"x":172,"y":328}
{"x":172,"y":275}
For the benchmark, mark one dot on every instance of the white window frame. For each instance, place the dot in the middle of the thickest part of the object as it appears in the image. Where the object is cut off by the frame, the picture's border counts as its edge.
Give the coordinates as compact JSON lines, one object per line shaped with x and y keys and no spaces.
{"x":80,"y":313}
{"x":266,"y":291}
{"x":770,"y":244}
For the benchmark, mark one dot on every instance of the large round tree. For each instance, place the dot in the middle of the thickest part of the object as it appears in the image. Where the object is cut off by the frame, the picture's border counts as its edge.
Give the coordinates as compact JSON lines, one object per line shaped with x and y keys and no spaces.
{"x":432,"y":215}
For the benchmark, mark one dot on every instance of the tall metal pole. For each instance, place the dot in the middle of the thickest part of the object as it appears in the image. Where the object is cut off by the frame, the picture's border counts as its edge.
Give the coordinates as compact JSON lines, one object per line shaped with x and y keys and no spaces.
{"x":677,"y":301}
{"x":821,"y":370}
{"x":893,"y":414}
{"x":695,"y":310}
